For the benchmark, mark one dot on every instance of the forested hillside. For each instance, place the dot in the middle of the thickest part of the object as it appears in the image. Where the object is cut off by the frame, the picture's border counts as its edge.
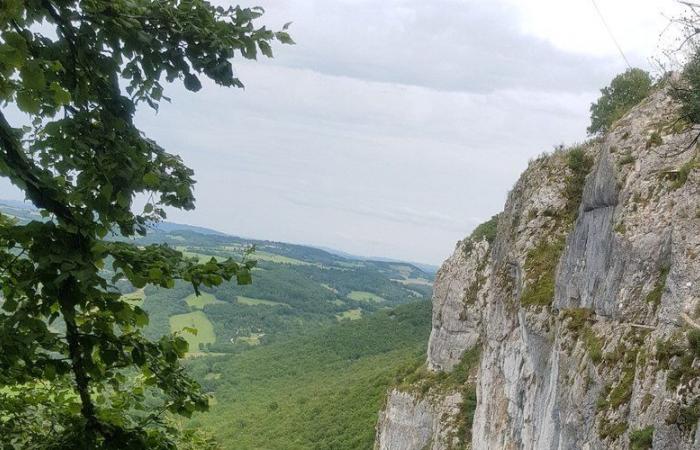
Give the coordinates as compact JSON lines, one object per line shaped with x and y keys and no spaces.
{"x":295,"y":289}
{"x":320,"y":391}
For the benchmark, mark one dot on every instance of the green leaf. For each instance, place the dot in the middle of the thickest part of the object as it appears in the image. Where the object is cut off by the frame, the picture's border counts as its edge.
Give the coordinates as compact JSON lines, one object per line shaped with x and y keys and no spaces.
{"x":32,"y":75}
{"x":265,"y":49}
{"x":140,"y":317}
{"x":284,"y":38}
{"x":180,"y":345}
{"x":28,"y":103}
{"x":244,"y":277}
{"x":151,"y":180}
{"x":60,"y":95}
{"x":192,"y":83}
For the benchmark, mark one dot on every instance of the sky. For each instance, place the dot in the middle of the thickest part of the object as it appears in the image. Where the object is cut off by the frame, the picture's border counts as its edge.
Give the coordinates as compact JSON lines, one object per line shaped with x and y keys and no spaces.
{"x":394,"y":127}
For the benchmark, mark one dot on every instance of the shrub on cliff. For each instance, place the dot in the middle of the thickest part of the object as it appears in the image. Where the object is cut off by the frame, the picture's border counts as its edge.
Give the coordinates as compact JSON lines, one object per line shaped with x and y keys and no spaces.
{"x":688,"y":92}
{"x":625,"y":91}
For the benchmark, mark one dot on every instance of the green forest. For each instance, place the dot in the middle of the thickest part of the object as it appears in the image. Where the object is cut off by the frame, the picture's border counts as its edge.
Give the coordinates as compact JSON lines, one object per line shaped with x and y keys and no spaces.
{"x":320,"y":391}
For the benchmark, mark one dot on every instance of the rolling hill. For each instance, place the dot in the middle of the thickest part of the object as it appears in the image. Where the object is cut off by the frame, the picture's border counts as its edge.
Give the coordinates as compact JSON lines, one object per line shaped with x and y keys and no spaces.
{"x":296,"y":289}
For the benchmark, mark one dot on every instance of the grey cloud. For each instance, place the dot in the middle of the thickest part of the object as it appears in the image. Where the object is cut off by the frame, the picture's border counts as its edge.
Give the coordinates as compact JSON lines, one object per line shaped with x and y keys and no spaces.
{"x":456,"y":45}
{"x":392,"y":128}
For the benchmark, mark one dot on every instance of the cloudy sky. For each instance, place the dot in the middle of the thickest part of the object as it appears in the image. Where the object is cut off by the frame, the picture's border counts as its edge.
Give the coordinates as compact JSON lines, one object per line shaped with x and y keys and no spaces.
{"x":394,"y":127}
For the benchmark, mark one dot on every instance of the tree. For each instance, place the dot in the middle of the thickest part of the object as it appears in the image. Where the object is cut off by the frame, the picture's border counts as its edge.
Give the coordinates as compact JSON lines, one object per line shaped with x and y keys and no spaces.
{"x":686,"y":89}
{"x":625,"y":91}
{"x":79,"y":69}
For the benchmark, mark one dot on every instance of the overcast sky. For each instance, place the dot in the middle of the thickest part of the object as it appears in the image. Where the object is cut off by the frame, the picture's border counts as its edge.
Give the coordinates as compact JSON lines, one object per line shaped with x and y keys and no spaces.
{"x":394,"y":127}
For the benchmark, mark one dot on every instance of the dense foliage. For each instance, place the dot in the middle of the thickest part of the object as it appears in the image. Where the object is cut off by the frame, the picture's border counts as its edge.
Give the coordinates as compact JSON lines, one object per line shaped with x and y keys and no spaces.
{"x":79,"y":69}
{"x":486,"y":230}
{"x":625,"y":91}
{"x":688,"y":91}
{"x":321,"y":391}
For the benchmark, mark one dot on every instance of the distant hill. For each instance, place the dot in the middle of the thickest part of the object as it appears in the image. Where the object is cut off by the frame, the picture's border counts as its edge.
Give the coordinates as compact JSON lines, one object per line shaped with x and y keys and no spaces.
{"x":296,"y":289}
{"x":167,"y":227}
{"x":425,"y":267}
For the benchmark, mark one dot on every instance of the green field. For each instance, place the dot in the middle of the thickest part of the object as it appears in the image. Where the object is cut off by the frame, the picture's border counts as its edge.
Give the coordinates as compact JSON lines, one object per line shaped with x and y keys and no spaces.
{"x":135,"y":298}
{"x":257,"y":301}
{"x":198,"y":320}
{"x":201,"y":300}
{"x":279,"y":259}
{"x":421,"y":281}
{"x":352,"y":314}
{"x":364,"y":296}
{"x":201,"y":257}
{"x":321,"y":391}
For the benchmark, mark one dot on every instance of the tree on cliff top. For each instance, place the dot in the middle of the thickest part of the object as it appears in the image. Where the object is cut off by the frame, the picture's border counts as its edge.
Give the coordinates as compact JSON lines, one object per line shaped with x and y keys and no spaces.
{"x":625,"y":91}
{"x":79,"y":69}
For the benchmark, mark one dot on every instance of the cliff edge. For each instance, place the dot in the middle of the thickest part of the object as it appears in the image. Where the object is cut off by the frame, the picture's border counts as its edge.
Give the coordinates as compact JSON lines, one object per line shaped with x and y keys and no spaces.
{"x":571,"y":320}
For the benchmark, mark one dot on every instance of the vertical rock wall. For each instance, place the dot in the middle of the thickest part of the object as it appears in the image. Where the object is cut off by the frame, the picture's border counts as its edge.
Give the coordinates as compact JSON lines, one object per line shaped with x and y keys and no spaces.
{"x":585,"y":307}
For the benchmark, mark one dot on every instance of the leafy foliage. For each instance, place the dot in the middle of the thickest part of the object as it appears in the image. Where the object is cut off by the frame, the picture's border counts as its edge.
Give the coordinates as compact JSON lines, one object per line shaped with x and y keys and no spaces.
{"x":579,"y":164}
{"x":625,"y":91}
{"x":687,"y":92}
{"x":81,"y":162}
{"x":486,"y":230}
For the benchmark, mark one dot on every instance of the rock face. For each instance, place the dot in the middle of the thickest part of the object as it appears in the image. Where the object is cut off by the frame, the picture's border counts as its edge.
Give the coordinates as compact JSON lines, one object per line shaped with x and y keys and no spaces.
{"x":456,"y":318}
{"x":414,"y":423}
{"x":584,"y":307}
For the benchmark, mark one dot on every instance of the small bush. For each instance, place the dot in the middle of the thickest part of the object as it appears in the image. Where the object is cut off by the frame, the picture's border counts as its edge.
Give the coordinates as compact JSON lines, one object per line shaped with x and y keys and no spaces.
{"x":578,"y":324}
{"x":654,"y":140}
{"x":642,"y":439}
{"x":627,"y":159}
{"x":683,"y":370}
{"x":594,"y":345}
{"x":580,"y":164}
{"x":622,"y":393}
{"x":683,"y":174}
{"x":611,"y":430}
{"x":694,"y":342}
{"x":486,"y":230}
{"x":689,"y":415}
{"x":578,"y":319}
{"x":625,"y":91}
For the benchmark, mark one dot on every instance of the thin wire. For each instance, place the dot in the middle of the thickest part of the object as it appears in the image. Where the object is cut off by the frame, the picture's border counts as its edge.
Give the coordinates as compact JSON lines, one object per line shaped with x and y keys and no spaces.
{"x":612,"y":36}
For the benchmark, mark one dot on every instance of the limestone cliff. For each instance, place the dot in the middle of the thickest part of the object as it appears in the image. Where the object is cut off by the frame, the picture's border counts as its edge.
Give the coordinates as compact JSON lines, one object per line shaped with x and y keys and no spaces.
{"x":575,"y":326}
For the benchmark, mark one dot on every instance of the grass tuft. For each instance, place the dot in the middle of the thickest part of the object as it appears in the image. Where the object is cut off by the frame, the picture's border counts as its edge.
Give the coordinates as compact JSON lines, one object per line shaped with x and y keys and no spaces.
{"x":642,"y":439}
{"x":540,"y":269}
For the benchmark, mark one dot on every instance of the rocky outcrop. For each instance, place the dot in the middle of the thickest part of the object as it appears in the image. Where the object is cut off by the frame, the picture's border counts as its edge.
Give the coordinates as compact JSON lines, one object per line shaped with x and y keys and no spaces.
{"x":456,"y":305}
{"x":427,"y":414}
{"x":584,"y":307}
{"x":413,"y":422}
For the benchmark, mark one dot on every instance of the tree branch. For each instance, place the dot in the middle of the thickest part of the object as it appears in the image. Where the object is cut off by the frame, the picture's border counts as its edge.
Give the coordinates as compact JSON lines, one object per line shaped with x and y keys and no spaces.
{"x":28,"y":176}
